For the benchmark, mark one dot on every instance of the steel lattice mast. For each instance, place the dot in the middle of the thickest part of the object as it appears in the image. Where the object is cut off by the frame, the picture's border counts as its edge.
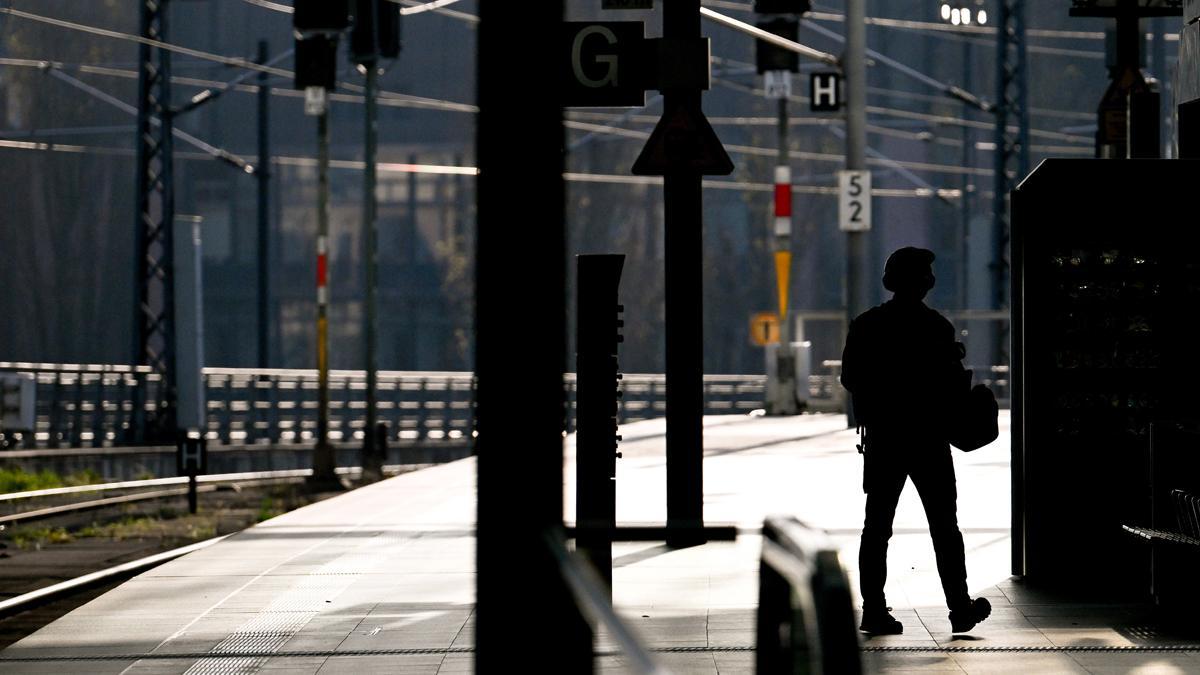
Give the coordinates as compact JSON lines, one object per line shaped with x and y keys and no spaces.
{"x":1012,"y":144}
{"x":154,"y":285}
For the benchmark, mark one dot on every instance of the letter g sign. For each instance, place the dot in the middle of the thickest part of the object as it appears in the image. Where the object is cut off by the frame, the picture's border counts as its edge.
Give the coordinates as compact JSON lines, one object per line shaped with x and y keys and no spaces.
{"x":602,"y":62}
{"x":610,"y":60}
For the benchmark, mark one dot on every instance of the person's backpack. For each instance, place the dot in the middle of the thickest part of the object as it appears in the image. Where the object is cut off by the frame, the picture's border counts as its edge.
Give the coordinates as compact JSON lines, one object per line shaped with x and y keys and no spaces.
{"x":974,"y":424}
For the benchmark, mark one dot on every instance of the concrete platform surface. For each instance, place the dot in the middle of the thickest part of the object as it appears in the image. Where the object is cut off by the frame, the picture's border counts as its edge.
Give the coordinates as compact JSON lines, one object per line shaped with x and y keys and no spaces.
{"x":382,"y":579}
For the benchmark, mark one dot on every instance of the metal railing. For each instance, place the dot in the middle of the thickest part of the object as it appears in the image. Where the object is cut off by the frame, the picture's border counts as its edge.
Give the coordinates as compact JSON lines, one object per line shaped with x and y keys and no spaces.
{"x":828,"y":328}
{"x":805,"y":608}
{"x":102,"y":406}
{"x":89,"y":405}
{"x":593,"y":612}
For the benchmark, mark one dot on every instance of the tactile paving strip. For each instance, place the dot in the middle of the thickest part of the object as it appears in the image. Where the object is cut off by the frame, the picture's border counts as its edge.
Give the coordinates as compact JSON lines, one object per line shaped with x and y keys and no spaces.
{"x":231,"y":657}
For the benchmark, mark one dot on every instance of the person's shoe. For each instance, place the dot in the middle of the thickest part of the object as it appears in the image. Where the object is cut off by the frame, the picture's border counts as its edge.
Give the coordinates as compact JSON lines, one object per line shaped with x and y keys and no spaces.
{"x":880,"y":622}
{"x":964,"y":619}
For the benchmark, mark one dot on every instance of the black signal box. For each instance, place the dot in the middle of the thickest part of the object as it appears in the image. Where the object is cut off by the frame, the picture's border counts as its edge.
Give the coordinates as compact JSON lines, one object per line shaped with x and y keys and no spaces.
{"x":376,"y":33}
{"x":782,"y":6}
{"x":321,"y":16}
{"x":316,"y":62}
{"x":768,"y":56}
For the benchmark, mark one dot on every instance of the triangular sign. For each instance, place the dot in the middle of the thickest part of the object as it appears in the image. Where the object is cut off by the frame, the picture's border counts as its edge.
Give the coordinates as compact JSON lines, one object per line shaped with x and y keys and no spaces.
{"x":683,"y":142}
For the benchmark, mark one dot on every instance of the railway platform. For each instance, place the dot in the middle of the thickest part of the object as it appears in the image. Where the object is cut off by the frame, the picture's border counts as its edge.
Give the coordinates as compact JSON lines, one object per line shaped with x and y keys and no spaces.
{"x":381,"y":579}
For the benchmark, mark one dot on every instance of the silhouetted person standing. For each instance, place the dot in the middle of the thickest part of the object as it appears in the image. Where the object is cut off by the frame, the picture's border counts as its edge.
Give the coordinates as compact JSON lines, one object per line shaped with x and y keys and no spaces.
{"x":903,"y":367}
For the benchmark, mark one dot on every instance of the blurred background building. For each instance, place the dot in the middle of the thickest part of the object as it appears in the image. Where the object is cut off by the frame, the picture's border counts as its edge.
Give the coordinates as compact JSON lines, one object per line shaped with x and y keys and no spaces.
{"x":67,"y":167}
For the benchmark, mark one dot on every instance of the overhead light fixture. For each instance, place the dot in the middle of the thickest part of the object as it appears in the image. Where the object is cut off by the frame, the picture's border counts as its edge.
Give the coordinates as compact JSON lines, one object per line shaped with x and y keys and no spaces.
{"x":965,"y":14}
{"x":955,"y":16}
{"x":981,"y":16}
{"x":945,"y":11}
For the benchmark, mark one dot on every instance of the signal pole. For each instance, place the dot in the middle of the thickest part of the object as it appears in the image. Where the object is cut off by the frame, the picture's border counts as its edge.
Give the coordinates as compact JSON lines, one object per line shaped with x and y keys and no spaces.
{"x":372,"y":463}
{"x":781,"y":359}
{"x":855,"y":67}
{"x":324,"y":461}
{"x":318,"y":25}
{"x":684,"y":263}
{"x":777,"y":66}
{"x":263,"y":174}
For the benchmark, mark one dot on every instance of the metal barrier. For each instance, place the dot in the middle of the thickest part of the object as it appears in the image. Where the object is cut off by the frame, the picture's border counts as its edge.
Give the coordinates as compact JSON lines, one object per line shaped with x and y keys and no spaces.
{"x":89,"y":405}
{"x":592,"y":610}
{"x":100,"y":406}
{"x":975,"y":327}
{"x":805,"y":608}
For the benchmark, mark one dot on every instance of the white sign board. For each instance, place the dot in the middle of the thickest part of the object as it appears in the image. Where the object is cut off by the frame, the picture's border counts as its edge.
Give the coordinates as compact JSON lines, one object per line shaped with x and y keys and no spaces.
{"x":854,"y":201}
{"x":777,"y":84}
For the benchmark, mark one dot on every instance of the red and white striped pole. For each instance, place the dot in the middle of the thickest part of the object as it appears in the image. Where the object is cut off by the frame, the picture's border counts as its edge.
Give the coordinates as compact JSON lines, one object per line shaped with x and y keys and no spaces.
{"x":781,"y":376}
{"x":324,"y":462}
{"x":783,"y":201}
{"x":783,"y":250}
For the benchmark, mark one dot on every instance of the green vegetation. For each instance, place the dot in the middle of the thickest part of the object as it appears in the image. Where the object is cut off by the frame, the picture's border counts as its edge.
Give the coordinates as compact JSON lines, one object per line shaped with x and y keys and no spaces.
{"x":148,"y":527}
{"x":270,"y":507}
{"x":36,"y":537}
{"x":16,"y":479}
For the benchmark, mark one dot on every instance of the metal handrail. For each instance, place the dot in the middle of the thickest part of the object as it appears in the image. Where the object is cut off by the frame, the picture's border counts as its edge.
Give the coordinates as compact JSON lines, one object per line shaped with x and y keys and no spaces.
{"x":102,"y":405}
{"x":591,"y":598}
{"x":156,"y":482}
{"x":803,"y":588}
{"x":240,"y":477}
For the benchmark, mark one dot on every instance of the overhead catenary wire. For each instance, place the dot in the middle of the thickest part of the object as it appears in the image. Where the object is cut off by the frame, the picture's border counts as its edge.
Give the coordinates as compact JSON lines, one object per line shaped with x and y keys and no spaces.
{"x":213,"y":151}
{"x":438,"y":6}
{"x":392,"y":97}
{"x":923,"y":136}
{"x":410,"y":7}
{"x":766,"y":36}
{"x":385,"y":96}
{"x":912,"y":115}
{"x":953,"y":91}
{"x":235,"y":62}
{"x":825,"y":14}
{"x":397,"y":101}
{"x":756,"y":151}
{"x":749,"y":69}
{"x":213,"y":93}
{"x":610,"y":119}
{"x":402,"y":168}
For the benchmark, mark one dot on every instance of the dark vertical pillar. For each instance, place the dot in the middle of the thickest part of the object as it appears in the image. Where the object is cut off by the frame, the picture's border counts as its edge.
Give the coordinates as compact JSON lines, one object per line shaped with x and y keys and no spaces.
{"x":520,"y":339}
{"x":965,"y":200}
{"x":597,"y":333}
{"x":1011,"y":165}
{"x":372,"y":460}
{"x":1158,"y":53}
{"x":857,"y":243}
{"x":684,"y":265}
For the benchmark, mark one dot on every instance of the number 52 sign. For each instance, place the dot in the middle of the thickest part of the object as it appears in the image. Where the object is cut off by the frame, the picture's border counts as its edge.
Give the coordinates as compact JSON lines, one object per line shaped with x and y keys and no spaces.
{"x":854,"y":201}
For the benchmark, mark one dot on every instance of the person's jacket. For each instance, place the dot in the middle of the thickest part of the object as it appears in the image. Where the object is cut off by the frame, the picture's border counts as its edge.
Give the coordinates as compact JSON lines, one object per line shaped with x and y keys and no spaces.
{"x":903,"y":367}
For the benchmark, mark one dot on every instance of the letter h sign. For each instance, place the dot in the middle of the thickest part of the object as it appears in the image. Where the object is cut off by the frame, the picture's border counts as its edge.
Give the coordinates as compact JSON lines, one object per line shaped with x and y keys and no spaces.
{"x":825,"y":92}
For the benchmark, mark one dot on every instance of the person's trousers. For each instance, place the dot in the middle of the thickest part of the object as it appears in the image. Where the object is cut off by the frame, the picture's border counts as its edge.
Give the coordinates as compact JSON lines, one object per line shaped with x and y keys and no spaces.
{"x":932,"y":471}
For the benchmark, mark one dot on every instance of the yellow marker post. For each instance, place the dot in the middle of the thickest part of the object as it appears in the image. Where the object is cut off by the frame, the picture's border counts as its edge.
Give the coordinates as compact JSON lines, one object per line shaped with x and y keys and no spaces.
{"x":783,"y":270}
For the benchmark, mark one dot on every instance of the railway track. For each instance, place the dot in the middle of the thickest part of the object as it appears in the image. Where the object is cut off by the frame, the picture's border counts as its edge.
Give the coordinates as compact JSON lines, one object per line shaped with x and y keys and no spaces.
{"x":80,"y":505}
{"x":30,"y":506}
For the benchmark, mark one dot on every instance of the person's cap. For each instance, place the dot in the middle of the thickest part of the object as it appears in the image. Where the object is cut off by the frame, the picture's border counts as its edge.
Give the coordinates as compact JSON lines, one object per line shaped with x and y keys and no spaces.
{"x":907,"y":265}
